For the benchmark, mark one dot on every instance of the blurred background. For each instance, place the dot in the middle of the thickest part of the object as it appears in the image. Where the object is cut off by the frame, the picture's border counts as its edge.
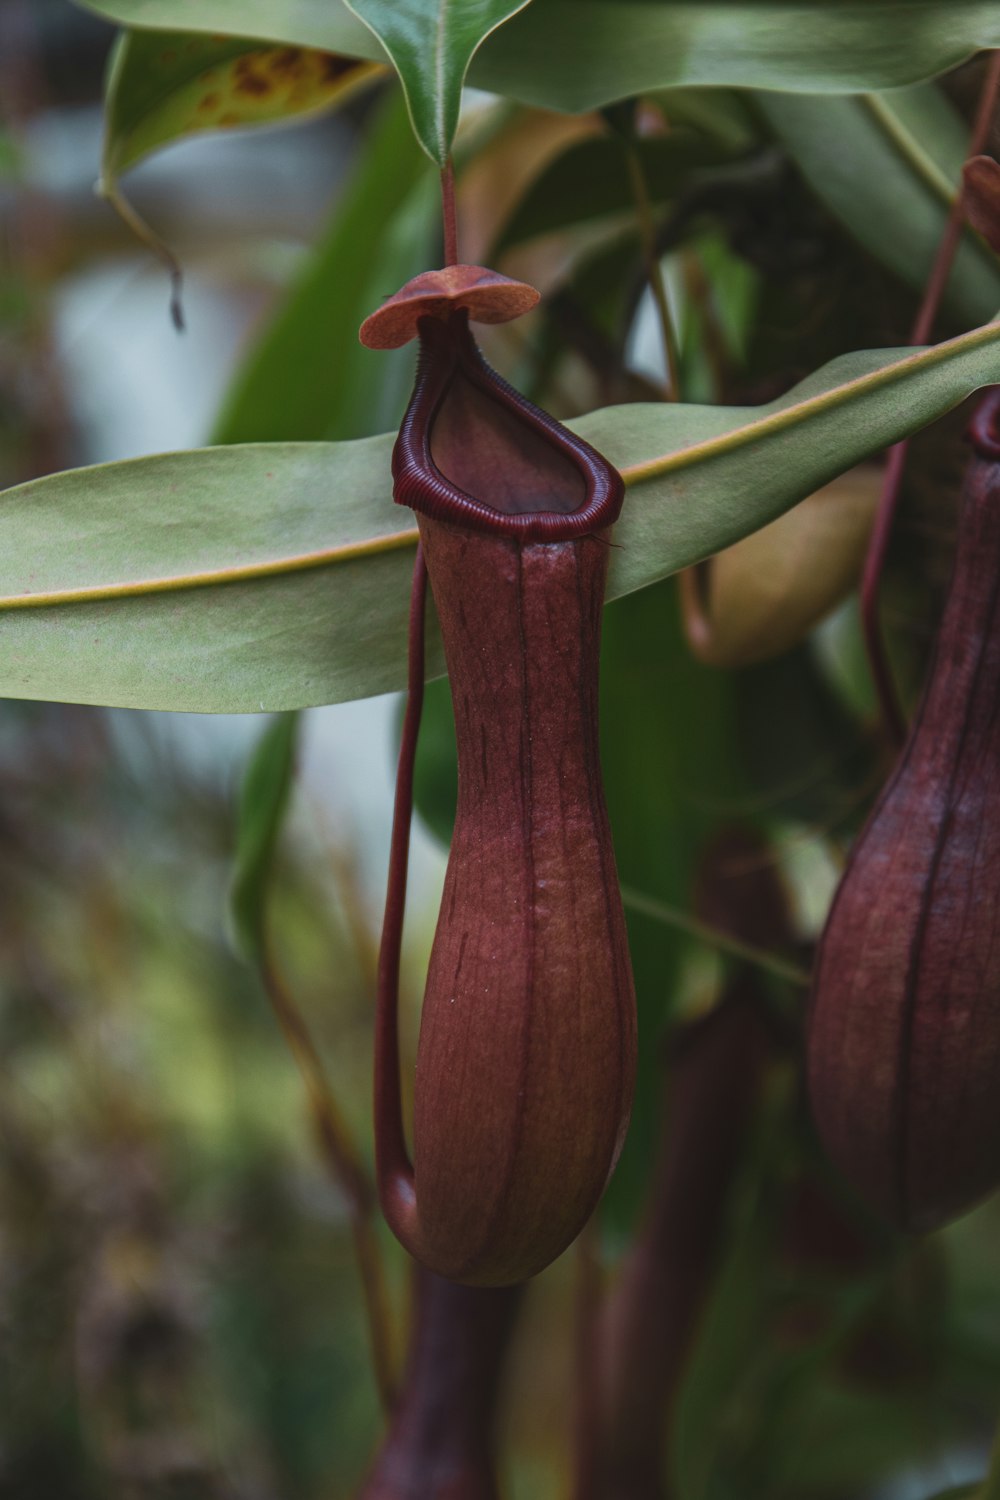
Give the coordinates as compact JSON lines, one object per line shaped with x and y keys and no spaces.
{"x":179,"y":1305}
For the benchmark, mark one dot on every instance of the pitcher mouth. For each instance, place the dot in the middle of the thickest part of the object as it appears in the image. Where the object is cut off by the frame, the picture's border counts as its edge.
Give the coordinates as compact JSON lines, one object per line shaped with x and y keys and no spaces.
{"x":525,"y":475}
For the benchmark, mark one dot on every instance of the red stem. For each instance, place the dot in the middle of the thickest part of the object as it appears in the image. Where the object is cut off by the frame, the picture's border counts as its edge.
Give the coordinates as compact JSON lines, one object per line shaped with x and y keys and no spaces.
{"x":393,"y":1165}
{"x":449,"y":215}
{"x":441,"y":1440}
{"x":878,"y":548}
{"x":587,"y":1392}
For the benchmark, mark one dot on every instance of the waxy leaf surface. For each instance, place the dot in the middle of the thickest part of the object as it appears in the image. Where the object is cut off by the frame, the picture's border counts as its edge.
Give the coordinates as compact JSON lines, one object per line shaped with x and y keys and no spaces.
{"x":275,"y":576}
{"x":431,"y":43}
{"x":579,"y":54}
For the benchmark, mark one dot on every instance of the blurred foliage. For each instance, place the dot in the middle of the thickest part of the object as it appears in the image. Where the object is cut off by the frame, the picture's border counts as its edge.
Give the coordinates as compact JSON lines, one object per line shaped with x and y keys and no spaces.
{"x":177,"y":1292}
{"x":179,"y":1304}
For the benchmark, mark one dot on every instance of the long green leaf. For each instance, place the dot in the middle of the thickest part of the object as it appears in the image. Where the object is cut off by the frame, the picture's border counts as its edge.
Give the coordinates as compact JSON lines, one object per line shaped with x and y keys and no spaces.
{"x":274,"y":576}
{"x":266,"y":789}
{"x":327,"y":25}
{"x":888,"y":167}
{"x":608,"y":49}
{"x":580,"y":54}
{"x":309,"y":377}
{"x":431,"y":43}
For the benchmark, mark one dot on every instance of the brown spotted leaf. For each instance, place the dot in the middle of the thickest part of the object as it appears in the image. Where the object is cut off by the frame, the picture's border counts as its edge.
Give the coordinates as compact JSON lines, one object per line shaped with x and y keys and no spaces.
{"x":164,"y":86}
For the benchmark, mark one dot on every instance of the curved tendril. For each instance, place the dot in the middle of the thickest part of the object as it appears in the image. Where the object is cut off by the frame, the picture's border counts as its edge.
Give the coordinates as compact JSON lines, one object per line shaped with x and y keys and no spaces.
{"x":393,"y":1165}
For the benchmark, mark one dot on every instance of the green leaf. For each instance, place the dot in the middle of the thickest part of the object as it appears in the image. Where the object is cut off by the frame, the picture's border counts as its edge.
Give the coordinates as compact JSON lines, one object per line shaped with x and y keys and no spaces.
{"x":590,"y":181}
{"x":888,"y":167}
{"x":435,"y":771}
{"x":431,"y":43}
{"x":664,"y":790}
{"x":162,"y":87}
{"x":581,"y":54}
{"x":309,"y":376}
{"x":323,"y":24}
{"x":275,"y":576}
{"x":266,"y":789}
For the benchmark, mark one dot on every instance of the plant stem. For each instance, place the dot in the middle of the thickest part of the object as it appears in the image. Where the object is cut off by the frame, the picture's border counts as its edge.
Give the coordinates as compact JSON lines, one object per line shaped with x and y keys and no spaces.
{"x":699,"y":291}
{"x":654,"y":270}
{"x":392,"y":1161}
{"x":345,"y":1166}
{"x":892,"y":716}
{"x":713,"y":937}
{"x":442,"y":1437}
{"x":588,"y":1364}
{"x":449,"y":215}
{"x":893,"y":720}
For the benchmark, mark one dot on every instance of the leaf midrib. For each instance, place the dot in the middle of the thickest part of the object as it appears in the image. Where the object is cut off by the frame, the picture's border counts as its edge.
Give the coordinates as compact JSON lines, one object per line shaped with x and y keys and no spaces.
{"x":301,"y":562}
{"x":633,"y":474}
{"x":440,"y":127}
{"x":790,"y":416}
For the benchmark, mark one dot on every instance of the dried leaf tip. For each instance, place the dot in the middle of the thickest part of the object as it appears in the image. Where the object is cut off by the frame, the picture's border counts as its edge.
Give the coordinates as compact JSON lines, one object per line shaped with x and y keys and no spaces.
{"x":485,"y":295}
